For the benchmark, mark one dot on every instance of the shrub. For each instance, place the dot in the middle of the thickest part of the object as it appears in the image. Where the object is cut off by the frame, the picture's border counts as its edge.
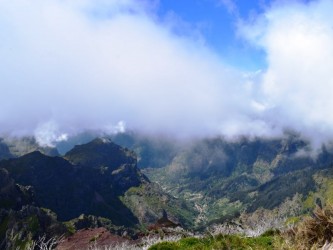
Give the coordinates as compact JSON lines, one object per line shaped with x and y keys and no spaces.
{"x":165,"y":246}
{"x":314,"y":231}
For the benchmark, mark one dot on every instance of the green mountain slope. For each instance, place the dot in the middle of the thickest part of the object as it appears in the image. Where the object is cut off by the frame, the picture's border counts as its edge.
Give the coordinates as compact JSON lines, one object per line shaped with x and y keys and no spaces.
{"x":223,"y":179}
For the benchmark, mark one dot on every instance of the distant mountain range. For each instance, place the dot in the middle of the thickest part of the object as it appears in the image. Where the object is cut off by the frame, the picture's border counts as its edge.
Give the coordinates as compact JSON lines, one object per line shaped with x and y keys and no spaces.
{"x":224,"y":178}
{"x":128,"y":186}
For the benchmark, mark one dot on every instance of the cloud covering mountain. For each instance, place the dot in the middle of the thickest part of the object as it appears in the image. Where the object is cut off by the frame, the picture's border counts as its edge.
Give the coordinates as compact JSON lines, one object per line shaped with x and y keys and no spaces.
{"x":68,"y":66}
{"x":297,"y":85}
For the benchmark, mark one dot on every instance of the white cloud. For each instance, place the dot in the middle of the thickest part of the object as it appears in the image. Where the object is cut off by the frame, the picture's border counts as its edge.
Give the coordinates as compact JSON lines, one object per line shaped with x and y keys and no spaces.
{"x":298,"y":83}
{"x":47,"y":134}
{"x":88,"y":64}
{"x":102,"y":64}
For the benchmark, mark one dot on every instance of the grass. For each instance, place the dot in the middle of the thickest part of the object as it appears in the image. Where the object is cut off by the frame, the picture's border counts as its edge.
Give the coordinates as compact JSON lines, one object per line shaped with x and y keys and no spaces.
{"x":219,"y":242}
{"x":33,"y":223}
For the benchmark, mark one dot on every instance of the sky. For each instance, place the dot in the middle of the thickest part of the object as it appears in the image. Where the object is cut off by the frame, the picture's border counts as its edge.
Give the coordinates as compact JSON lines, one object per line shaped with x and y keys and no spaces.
{"x":182,"y":68}
{"x":215,"y":23}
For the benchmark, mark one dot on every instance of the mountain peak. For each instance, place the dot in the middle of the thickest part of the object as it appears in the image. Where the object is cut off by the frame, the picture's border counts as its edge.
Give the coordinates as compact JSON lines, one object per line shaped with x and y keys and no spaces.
{"x":102,"y":140}
{"x":100,"y":152}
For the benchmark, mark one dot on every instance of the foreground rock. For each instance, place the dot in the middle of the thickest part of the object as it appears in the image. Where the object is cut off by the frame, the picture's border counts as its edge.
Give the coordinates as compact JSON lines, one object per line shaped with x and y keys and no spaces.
{"x":91,"y":237}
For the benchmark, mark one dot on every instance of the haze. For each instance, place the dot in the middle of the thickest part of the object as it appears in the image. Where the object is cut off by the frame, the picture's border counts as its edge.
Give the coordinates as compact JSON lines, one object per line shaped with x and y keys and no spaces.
{"x":71,"y":66}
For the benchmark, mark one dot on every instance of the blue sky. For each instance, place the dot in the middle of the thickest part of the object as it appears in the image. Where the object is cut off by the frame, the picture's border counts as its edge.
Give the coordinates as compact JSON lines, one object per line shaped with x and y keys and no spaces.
{"x":217,"y":21}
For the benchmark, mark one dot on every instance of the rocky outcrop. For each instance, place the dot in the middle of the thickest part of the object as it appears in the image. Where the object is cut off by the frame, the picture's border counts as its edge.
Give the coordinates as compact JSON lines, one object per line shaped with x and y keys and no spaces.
{"x":91,"y":238}
{"x":91,"y":221}
{"x":19,"y":229}
{"x":101,"y":152}
{"x":12,"y":195}
{"x":70,"y":190}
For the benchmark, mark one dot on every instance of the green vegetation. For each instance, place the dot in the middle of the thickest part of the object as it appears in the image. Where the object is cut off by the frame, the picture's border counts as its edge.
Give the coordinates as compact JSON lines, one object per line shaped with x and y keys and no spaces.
{"x":312,"y":232}
{"x":32,"y":223}
{"x":148,"y":200}
{"x":22,"y":244}
{"x":247,"y":186}
{"x":223,"y":179}
{"x":219,"y":242}
{"x":70,"y":227}
{"x":3,"y":226}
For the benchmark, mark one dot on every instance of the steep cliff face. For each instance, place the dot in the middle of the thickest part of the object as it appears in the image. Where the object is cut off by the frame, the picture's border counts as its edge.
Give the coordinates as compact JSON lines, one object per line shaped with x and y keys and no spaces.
{"x":111,"y":165}
{"x":12,"y":195}
{"x":20,"y":221}
{"x":97,"y":178}
{"x":70,"y":190}
{"x":116,"y":169}
{"x":18,"y":229}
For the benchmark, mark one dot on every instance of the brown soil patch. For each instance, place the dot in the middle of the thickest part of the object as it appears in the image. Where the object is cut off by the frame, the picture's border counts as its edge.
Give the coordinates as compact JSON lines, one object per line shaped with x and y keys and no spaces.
{"x":85,"y":238}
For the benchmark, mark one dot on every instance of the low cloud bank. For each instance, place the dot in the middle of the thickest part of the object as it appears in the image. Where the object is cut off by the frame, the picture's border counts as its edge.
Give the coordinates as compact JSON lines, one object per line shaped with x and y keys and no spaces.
{"x":297,"y":86}
{"x":67,"y":67}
